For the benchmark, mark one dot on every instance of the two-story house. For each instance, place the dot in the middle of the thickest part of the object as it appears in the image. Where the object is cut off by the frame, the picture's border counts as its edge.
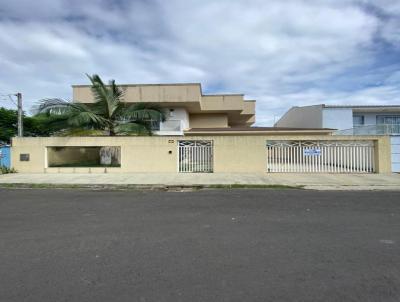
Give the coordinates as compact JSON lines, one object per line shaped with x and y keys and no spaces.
{"x":188,"y":109}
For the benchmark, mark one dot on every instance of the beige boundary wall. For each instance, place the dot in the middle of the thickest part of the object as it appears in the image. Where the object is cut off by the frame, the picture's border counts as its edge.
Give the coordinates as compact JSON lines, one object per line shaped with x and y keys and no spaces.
{"x":159,"y":154}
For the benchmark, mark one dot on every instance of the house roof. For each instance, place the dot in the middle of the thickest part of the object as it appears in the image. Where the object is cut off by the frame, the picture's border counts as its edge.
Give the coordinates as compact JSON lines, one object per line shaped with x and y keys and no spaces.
{"x":360,"y":106}
{"x":367,"y":108}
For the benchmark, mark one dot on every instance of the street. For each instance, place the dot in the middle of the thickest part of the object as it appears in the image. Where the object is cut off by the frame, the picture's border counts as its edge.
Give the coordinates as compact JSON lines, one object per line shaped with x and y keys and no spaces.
{"x":209,"y":245}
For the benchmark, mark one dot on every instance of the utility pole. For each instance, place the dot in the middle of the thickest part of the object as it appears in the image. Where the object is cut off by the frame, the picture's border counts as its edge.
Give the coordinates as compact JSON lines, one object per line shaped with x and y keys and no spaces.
{"x":20,"y":121}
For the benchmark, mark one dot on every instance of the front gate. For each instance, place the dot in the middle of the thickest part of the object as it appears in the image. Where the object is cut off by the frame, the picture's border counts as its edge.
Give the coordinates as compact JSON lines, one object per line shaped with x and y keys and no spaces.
{"x":195,"y":156}
{"x":5,"y":156}
{"x":320,"y":156}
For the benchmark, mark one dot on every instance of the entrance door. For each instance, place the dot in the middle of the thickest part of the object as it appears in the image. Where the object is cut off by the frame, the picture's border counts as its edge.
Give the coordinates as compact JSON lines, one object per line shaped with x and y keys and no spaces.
{"x":195,"y":156}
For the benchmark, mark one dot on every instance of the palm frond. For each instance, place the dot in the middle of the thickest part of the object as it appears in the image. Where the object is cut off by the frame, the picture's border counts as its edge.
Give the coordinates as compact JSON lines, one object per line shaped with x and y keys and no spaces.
{"x":143,"y":112}
{"x":133,"y":129}
{"x":74,"y":114}
{"x":53,"y":106}
{"x":83,"y":132}
{"x":85,"y":118}
{"x":107,"y":98}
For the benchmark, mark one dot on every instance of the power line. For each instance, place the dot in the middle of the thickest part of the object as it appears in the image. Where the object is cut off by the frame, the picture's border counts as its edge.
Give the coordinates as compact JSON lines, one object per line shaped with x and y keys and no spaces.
{"x":8,"y":97}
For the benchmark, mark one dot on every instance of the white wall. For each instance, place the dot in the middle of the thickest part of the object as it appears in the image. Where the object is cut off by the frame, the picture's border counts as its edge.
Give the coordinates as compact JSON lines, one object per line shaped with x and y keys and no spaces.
{"x":179,"y":114}
{"x":337,"y":118}
{"x":395,"y":143}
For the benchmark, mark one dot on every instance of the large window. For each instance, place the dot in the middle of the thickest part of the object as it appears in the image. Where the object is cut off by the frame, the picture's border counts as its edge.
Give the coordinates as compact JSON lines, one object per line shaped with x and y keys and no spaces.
{"x":388,"y":119}
{"x":358,"y":120}
{"x":107,"y":156}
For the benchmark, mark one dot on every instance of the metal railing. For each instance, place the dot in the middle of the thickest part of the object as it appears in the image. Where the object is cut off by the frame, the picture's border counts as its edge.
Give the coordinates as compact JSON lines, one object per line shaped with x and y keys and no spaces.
{"x":195,"y":156}
{"x":320,"y":156}
{"x":380,"y":129}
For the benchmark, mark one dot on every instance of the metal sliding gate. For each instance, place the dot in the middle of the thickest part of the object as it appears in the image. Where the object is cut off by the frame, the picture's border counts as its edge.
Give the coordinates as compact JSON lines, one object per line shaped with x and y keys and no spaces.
{"x":320,"y":156}
{"x":195,"y":156}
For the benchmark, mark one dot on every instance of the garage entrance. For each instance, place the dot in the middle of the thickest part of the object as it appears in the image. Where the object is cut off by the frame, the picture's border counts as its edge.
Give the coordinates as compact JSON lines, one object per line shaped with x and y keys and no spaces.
{"x":320,"y":156}
{"x":195,"y":156}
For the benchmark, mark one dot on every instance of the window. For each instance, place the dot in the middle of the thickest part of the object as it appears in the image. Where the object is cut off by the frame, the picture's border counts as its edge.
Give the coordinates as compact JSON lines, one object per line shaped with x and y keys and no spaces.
{"x":388,"y":119}
{"x":358,"y":120}
{"x":24,"y":157}
{"x":104,"y":156}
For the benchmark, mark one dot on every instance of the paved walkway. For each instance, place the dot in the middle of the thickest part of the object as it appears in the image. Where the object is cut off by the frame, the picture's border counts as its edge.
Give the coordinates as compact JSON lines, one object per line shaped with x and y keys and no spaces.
{"x":311,"y":181}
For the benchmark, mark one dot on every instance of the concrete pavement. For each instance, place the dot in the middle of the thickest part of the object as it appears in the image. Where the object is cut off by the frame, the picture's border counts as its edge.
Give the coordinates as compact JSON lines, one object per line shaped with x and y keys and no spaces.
{"x":309,"y":181}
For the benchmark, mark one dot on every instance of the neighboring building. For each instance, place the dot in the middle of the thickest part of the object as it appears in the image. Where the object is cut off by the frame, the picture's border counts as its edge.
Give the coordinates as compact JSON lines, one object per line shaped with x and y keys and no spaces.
{"x":350,"y":120}
{"x":344,"y":118}
{"x":187,"y":107}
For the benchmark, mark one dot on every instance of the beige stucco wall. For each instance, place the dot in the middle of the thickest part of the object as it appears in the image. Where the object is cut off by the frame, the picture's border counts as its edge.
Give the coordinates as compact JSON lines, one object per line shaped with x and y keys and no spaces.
{"x":210,"y":120}
{"x":147,"y":93}
{"x":244,"y":154}
{"x":383,"y":155}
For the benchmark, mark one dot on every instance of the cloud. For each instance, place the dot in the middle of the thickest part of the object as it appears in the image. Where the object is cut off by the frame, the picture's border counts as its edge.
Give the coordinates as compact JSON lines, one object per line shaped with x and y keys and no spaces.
{"x":281,"y":53}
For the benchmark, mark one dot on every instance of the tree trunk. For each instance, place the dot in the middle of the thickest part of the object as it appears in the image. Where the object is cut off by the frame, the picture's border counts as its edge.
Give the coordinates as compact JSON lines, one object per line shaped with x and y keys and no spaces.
{"x":112,"y":131}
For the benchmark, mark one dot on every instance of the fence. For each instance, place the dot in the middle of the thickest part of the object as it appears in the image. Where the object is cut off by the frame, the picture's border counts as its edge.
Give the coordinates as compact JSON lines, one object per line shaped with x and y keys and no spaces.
{"x":320,"y":156}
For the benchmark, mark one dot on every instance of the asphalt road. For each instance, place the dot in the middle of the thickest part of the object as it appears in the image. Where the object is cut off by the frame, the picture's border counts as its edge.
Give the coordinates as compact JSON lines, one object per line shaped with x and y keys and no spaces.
{"x":238,"y":245}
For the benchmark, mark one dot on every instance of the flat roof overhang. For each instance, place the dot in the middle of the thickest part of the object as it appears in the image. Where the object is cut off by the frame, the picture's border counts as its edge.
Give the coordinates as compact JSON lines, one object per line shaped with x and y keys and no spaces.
{"x":257,"y":131}
{"x":367,"y":108}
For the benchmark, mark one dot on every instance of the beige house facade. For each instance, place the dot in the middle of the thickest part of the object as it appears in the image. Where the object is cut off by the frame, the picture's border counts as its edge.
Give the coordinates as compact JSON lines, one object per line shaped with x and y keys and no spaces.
{"x":185,"y":104}
{"x":202,"y":134}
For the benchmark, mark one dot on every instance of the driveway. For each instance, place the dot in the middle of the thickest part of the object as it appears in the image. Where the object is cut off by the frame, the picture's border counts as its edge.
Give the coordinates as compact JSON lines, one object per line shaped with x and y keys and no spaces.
{"x":222,"y":245}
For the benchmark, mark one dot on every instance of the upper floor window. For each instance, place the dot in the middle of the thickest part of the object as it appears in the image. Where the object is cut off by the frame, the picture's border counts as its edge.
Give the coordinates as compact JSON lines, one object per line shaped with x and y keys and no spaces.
{"x":358,"y":120}
{"x":388,"y":119}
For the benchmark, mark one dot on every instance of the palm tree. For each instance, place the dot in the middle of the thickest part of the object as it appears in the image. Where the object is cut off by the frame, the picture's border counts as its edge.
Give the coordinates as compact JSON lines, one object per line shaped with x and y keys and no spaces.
{"x":108,"y":114}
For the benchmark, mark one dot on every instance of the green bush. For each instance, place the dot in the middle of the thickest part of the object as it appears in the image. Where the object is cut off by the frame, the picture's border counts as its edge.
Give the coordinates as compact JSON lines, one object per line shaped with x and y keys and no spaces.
{"x":6,"y":170}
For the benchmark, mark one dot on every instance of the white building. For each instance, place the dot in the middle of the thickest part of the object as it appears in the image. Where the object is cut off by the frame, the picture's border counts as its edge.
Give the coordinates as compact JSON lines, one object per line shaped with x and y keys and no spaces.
{"x":350,"y":120}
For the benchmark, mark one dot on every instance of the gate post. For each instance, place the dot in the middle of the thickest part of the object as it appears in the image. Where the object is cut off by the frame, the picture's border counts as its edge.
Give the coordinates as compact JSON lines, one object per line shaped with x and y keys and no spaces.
{"x":383,"y":155}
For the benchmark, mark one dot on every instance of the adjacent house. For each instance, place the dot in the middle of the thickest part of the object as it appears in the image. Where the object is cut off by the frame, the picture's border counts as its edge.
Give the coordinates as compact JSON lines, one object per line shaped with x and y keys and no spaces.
{"x":203,"y":133}
{"x":344,"y":117}
{"x":350,"y":120}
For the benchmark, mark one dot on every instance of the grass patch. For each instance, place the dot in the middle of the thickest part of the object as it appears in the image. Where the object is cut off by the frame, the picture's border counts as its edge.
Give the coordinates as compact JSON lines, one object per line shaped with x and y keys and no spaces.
{"x":39,"y":186}
{"x":135,"y":187}
{"x":84,"y":165}
{"x":253,"y":186}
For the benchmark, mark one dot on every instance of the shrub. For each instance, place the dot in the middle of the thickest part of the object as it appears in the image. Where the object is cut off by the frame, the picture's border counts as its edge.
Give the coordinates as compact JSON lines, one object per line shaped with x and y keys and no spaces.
{"x":6,"y":170}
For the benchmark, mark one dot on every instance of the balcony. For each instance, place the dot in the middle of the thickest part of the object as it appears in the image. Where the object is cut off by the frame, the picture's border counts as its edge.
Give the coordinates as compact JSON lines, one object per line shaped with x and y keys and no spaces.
{"x":381,"y":129}
{"x":169,"y":127}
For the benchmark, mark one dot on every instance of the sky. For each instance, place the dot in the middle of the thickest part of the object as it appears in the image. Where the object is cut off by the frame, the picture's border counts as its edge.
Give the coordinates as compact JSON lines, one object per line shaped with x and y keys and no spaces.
{"x":280,"y":53}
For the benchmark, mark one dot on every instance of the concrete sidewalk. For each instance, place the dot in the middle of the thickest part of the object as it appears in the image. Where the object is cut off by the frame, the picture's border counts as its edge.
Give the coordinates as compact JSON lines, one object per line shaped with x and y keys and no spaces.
{"x":309,"y":181}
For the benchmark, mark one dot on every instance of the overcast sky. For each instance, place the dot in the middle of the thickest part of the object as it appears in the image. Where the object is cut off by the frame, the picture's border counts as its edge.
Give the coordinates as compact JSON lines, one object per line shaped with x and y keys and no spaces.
{"x":281,"y":53}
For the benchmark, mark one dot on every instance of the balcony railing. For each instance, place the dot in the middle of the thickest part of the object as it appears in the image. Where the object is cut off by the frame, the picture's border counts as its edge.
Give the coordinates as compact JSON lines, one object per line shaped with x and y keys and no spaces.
{"x":171,"y":125}
{"x":381,"y":129}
